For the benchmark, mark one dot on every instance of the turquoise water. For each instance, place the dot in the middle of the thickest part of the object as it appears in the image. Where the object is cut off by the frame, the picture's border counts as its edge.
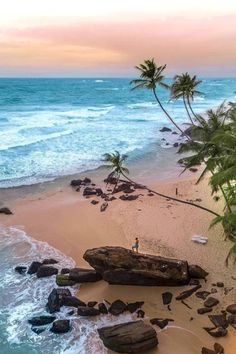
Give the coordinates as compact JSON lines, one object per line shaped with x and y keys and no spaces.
{"x":56,"y":127}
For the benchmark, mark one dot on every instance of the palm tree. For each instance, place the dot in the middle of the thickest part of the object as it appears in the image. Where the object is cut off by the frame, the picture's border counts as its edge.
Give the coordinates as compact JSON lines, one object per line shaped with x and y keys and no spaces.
{"x":185,"y":86}
{"x":116,"y":161}
{"x":116,"y":164}
{"x":151,"y":76}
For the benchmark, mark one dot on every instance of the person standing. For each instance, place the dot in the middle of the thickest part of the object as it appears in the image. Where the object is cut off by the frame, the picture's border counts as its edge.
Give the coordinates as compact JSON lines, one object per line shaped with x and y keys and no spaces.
{"x":135,"y":246}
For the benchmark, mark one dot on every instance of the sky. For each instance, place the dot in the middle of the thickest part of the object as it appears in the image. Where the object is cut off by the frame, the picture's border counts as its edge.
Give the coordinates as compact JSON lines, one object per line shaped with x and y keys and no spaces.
{"x":107,"y":38}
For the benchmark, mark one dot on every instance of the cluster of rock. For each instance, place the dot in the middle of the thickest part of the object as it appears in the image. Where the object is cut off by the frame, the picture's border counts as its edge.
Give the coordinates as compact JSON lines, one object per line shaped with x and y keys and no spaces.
{"x":5,"y":211}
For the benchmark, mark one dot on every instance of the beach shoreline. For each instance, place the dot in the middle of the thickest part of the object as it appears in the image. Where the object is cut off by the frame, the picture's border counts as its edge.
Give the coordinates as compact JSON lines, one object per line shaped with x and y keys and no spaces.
{"x":69,"y":222}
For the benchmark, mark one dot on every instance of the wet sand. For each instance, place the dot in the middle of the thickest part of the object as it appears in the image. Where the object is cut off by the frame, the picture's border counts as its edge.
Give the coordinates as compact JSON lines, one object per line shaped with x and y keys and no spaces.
{"x":69,"y":222}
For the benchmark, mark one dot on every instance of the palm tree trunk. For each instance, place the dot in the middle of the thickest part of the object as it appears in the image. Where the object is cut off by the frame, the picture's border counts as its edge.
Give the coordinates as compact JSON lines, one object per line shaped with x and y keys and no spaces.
{"x":186,"y":107}
{"x":191,"y":109}
{"x":168,"y":116}
{"x":172,"y":198}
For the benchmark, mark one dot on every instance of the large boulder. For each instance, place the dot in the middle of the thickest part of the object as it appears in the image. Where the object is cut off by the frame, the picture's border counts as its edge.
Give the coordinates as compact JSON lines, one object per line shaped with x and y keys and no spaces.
{"x":72,"y":301}
{"x":130,"y":337}
{"x":46,"y":271}
{"x":80,"y":275}
{"x":196,"y":271}
{"x":64,"y":280}
{"x":33,"y":268}
{"x":21,"y":269}
{"x":55,"y":299}
{"x":41,"y":320}
{"x":61,"y":326}
{"x":87,"y":311}
{"x":5,"y":211}
{"x":118,"y":265}
{"x":117,"y":308}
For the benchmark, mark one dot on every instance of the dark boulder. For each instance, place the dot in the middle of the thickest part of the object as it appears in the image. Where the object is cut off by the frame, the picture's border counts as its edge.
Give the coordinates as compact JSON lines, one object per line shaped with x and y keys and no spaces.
{"x":117,"y":308}
{"x":202,"y":294}
{"x":61,"y":326}
{"x":165,"y":129}
{"x":49,"y":261}
{"x":76,"y":182}
{"x":41,"y":320}
{"x":5,"y":211}
{"x":194,"y":282}
{"x":167,"y":298}
{"x":102,"y":308}
{"x":65,"y":271}
{"x":64,"y":280}
{"x":217,"y":332}
{"x":220,"y":284}
{"x":72,"y":301}
{"x":207,"y":351}
{"x":99,"y":191}
{"x":92,"y":303}
{"x":134,"y":306}
{"x":33,"y":268}
{"x":87,"y":311}
{"x":197,"y":272}
{"x":219,"y":320}
{"x":80,"y":275}
{"x":193,"y":169}
{"x":21,"y":269}
{"x":218,"y":349}
{"x":55,"y":299}
{"x":118,"y":265}
{"x":231,"y":309}
{"x":103,"y":206}
{"x":111,"y":180}
{"x":130,"y":337}
{"x":94,"y":202}
{"x":211,"y":302}
{"x":46,"y":271}
{"x":89,"y":191}
{"x":161,"y":323}
{"x":204,"y":310}
{"x":232,"y":320}
{"x":124,"y":187}
{"x":187,"y":293}
{"x":128,"y":197}
{"x":175,"y":145}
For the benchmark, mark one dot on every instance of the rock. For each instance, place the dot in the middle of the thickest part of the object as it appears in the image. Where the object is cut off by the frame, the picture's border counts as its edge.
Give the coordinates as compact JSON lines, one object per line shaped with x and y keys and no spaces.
{"x":134,"y":306}
{"x":174,"y":133}
{"x":193,"y":169}
{"x":194,"y":282}
{"x":118,"y":265}
{"x":129,"y":337}
{"x":99,"y":191}
{"x":89,"y":191}
{"x":219,"y":284}
{"x":117,"y":308}
{"x":78,"y":189}
{"x":33,"y":268}
{"x":21,"y":269}
{"x":55,"y":299}
{"x":87,"y":180}
{"x":94,"y":202}
{"x":217,"y":332}
{"x":219,"y":320}
{"x":166,"y":298}
{"x":129,"y":197}
{"x":207,"y":351}
{"x":124,"y":187}
{"x":76,"y":182}
{"x":232,"y":319}
{"x":64,"y":280}
{"x":186,"y":293}
{"x":227,"y":290}
{"x":46,"y":271}
{"x":92,"y":303}
{"x":5,"y":211}
{"x":175,"y":145}
{"x":49,"y":261}
{"x":140,"y":314}
{"x":165,"y":129}
{"x":65,"y":271}
{"x":102,"y":308}
{"x":80,"y":275}
{"x":72,"y":301}
{"x":41,"y":320}
{"x":202,"y":294}
{"x":161,"y":323}
{"x":231,"y":309}
{"x":111,"y":180}
{"x":87,"y":311}
{"x":71,"y":313}
{"x":218,"y":349}
{"x":61,"y":326}
{"x":210,"y":302}
{"x":213,"y":291}
{"x":204,"y":310}
{"x":103,"y":206}
{"x":150,"y":194}
{"x":197,"y":272}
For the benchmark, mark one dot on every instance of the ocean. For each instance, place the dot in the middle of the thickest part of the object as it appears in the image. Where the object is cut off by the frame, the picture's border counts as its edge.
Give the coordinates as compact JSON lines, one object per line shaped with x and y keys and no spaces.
{"x":56,"y":127}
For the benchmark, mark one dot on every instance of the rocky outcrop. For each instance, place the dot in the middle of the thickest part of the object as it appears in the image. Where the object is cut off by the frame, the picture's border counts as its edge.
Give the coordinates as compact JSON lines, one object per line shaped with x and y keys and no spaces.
{"x":21,"y":269}
{"x":211,"y":302}
{"x":87,"y":311}
{"x":72,"y":301}
{"x":130,"y":337}
{"x":46,"y":271}
{"x":41,"y":320}
{"x":118,"y":265}
{"x":49,"y":261}
{"x":61,"y":326}
{"x":80,"y":275}
{"x":231,"y":309}
{"x":197,"y":272}
{"x":5,"y":211}
{"x":55,"y":299}
{"x":165,"y":129}
{"x":64,"y":280}
{"x":117,"y":308}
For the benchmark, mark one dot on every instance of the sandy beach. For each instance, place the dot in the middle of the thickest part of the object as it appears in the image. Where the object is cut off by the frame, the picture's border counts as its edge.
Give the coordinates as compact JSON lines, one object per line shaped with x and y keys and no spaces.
{"x":70,"y":223}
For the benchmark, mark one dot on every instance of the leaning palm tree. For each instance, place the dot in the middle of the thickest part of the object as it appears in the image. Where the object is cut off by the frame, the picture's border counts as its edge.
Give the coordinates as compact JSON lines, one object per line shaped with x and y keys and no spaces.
{"x":151,"y":76}
{"x":116,"y":164}
{"x":184,"y":86}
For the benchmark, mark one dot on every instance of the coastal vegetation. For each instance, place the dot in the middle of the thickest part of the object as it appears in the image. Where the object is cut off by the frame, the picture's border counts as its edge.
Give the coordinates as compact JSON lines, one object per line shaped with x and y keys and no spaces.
{"x":210,"y":142}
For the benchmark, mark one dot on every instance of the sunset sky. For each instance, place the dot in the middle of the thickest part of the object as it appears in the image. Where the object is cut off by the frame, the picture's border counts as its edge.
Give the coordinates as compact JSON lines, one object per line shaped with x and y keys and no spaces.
{"x":74,"y":38}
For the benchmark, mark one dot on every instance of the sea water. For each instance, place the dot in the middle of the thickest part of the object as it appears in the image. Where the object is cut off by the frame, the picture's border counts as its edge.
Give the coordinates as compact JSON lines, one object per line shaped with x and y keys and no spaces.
{"x":55,"y":127}
{"x":24,"y":296}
